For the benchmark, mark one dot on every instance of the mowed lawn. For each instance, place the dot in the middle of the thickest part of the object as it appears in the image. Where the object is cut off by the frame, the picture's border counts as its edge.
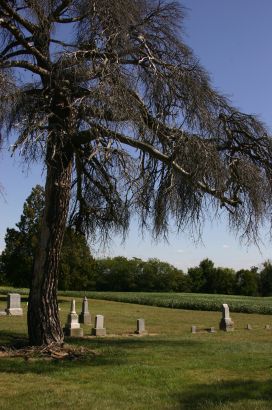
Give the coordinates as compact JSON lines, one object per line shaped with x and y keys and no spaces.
{"x":168,"y":369}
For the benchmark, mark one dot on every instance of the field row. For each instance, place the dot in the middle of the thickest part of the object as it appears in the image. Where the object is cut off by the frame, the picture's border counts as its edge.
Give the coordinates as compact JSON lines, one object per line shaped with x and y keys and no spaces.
{"x":239,"y":304}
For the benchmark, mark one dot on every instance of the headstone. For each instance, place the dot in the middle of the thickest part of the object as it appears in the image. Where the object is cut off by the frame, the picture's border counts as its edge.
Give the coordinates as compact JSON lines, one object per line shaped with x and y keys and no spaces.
{"x":267,"y":327}
{"x":193,"y":329}
{"x":248,"y":327}
{"x":140,"y":327}
{"x":211,"y":330}
{"x":14,"y":304}
{"x":3,"y":313}
{"x":226,"y":323}
{"x":98,"y":329}
{"x":85,"y":316}
{"x":72,"y":327}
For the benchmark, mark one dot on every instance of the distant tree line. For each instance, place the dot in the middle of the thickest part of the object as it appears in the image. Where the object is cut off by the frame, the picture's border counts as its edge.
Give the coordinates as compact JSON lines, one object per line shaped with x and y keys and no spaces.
{"x":122,"y":274}
{"x":80,"y":271}
{"x":206,"y":278}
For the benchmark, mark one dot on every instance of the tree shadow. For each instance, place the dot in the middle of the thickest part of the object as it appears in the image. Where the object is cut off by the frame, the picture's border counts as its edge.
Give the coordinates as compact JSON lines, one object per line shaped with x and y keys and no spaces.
{"x":99,"y":352}
{"x":134,"y":341}
{"x":13,"y":340}
{"x":204,"y":396}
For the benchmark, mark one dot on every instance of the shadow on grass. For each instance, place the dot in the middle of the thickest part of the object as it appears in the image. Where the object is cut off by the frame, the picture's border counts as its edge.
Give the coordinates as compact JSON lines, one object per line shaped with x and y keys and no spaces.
{"x":135,"y":342}
{"x":99,"y":352}
{"x":12,"y":339}
{"x":213,"y":396}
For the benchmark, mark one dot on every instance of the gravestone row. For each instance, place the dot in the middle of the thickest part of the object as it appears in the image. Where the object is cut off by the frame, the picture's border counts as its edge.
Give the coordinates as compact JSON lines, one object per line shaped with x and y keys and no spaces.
{"x":72,"y":327}
{"x":226,"y":323}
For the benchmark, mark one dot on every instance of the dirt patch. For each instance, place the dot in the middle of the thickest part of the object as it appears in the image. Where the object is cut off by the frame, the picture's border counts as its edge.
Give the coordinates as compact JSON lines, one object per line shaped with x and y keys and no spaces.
{"x":51,"y":352}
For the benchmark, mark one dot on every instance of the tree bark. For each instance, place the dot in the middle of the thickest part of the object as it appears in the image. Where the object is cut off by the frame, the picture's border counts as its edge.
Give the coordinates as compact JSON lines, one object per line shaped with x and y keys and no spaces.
{"x":44,"y":325}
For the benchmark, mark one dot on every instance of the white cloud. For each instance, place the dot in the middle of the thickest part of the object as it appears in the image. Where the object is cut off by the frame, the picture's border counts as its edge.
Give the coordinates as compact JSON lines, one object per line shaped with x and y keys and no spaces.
{"x":180,"y":251}
{"x":226,"y":246}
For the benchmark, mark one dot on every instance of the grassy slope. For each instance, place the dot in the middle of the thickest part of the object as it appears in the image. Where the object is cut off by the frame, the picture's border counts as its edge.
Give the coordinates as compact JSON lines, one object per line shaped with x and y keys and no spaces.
{"x":172,"y":369}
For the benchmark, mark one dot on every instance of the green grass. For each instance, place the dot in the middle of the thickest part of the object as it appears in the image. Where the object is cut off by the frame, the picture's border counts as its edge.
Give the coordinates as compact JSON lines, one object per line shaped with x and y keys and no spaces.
{"x":191,"y":301}
{"x":168,"y":369}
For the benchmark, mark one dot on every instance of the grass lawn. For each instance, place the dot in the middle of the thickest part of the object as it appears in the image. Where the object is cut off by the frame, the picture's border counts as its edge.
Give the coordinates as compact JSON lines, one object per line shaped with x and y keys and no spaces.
{"x":168,"y":369}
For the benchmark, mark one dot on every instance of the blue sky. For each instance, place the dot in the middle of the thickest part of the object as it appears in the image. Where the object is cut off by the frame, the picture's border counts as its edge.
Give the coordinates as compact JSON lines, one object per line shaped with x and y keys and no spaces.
{"x":232,"y":39}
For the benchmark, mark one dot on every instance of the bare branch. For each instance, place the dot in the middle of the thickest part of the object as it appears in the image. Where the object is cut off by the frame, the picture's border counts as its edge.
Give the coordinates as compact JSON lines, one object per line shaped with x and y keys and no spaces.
{"x":25,"y":64}
{"x":60,"y":9}
{"x":13,"y":14}
{"x":21,"y":39}
{"x":89,"y":135}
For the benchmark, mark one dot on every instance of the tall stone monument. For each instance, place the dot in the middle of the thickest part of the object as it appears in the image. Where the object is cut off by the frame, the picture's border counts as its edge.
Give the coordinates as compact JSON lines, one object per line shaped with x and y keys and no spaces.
{"x":72,"y":327}
{"x":98,"y":329}
{"x":226,"y":322}
{"x":85,"y":316}
{"x":14,"y":304}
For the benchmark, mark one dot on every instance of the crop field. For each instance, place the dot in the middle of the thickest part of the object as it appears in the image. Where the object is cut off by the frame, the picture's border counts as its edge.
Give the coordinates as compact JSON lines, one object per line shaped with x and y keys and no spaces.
{"x":190,"y":301}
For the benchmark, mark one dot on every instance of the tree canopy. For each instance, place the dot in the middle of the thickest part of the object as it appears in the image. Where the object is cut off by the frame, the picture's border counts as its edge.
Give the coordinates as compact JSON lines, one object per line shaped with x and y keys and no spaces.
{"x":126,"y":121}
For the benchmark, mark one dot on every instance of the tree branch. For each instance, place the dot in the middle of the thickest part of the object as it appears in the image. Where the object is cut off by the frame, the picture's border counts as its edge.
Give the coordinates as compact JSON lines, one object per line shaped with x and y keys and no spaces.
{"x":14,"y":44}
{"x":60,"y":9}
{"x":16,"y":53}
{"x":13,"y":14}
{"x":21,"y":39}
{"x":69,"y":20}
{"x":25,"y":64}
{"x":87,"y":136}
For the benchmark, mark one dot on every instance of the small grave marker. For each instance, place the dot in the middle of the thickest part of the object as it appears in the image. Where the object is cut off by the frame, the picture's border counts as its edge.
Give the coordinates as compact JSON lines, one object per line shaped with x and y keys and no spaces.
{"x":140,"y":327}
{"x":14,"y":304}
{"x":211,"y":330}
{"x":98,"y":329}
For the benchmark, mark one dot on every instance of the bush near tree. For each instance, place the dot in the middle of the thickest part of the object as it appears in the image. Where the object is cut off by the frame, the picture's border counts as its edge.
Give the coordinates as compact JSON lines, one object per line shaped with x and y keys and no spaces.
{"x":248,"y":282}
{"x":266,"y":279}
{"x":76,"y":262}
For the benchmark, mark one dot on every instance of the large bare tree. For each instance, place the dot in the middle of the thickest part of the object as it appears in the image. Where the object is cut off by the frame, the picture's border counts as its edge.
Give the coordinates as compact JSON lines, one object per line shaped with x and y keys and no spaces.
{"x":124,"y":117}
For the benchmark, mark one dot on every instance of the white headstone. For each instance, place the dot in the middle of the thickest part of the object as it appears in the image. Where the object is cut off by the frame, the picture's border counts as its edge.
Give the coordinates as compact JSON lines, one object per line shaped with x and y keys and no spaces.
{"x":140,"y":326}
{"x":99,"y":329}
{"x":225,"y":311}
{"x":226,"y":322}
{"x":99,"y":321}
{"x":14,"y":304}
{"x":73,"y":306}
{"x":72,"y":318}
{"x":72,"y":327}
{"x":193,"y":329}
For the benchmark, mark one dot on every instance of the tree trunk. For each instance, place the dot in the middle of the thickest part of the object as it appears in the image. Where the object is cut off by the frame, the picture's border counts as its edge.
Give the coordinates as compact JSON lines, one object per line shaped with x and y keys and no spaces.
{"x":44,"y":325}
